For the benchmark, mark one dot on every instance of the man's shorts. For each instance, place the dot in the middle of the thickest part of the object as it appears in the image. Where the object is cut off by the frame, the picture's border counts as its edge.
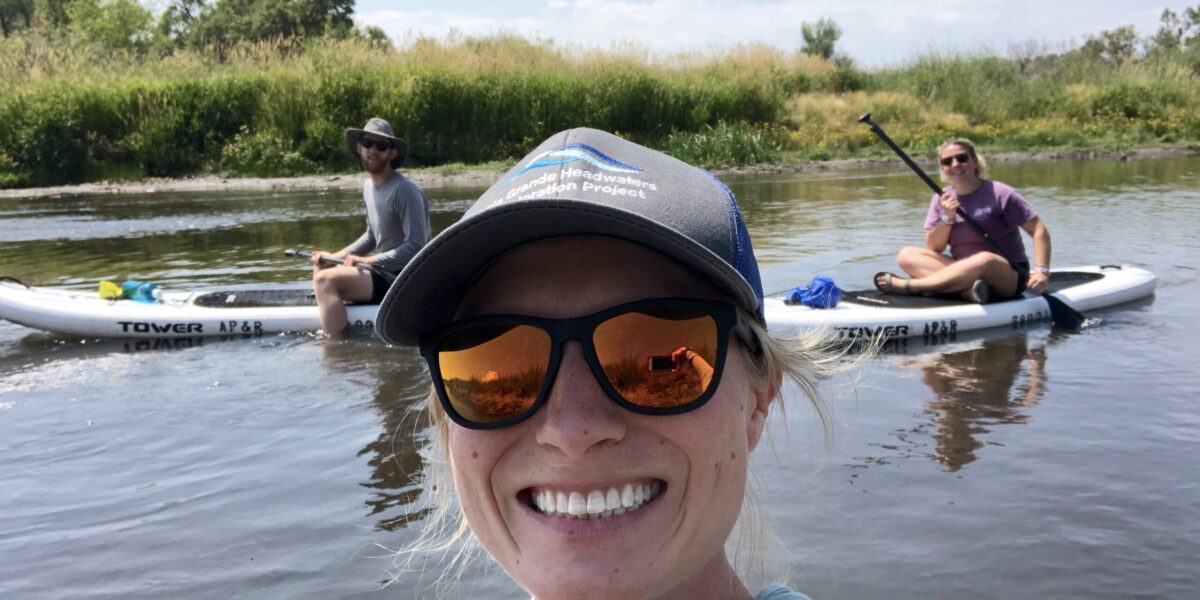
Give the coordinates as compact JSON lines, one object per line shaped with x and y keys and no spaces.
{"x":379,"y":288}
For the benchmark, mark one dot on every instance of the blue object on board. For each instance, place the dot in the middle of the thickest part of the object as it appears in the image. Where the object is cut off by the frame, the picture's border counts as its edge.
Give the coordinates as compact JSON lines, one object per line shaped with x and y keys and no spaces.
{"x":139,"y":291}
{"x":821,"y":292}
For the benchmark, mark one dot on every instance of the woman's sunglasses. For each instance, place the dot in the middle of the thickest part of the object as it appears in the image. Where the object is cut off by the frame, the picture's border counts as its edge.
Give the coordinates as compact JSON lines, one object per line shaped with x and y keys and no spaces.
{"x":653,"y":357}
{"x":367,"y":144}
{"x":962,"y":159}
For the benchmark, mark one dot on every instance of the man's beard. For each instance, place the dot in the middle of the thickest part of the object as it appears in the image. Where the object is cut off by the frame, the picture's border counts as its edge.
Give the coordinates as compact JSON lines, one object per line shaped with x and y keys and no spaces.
{"x":376,"y":167}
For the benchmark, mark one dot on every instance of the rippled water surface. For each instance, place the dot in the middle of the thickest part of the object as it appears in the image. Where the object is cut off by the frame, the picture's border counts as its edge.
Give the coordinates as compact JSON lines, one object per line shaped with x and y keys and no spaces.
{"x":1004,"y":465}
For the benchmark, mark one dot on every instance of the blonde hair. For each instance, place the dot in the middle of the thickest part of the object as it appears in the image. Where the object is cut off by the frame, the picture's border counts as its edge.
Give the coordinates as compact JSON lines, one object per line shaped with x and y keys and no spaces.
{"x":447,"y":545}
{"x":981,"y":167}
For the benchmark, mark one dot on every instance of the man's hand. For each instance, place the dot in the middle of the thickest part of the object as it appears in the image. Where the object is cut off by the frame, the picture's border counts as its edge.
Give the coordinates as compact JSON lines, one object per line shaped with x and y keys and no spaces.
{"x":353,"y":259}
{"x":316,"y":258}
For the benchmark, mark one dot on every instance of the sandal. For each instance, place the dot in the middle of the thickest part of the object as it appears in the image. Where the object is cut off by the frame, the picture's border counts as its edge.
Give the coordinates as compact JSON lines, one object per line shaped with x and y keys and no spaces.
{"x":979,"y":292}
{"x":886,"y":283}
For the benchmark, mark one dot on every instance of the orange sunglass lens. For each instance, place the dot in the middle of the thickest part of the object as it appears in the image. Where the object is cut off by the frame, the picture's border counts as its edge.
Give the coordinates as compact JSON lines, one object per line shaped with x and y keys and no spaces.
{"x":492,"y":372}
{"x":639,"y":353}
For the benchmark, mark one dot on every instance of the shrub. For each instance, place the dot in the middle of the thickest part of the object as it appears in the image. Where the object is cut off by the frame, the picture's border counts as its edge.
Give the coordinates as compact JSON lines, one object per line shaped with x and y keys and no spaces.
{"x":263,"y":155}
{"x":728,"y":144}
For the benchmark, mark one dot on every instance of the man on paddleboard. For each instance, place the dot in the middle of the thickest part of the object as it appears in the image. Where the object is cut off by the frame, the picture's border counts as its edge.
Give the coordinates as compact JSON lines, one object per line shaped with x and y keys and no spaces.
{"x":397,"y":227}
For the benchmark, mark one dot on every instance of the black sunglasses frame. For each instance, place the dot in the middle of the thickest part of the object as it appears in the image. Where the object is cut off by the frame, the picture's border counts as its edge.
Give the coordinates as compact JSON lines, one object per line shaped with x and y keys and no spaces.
{"x":726,"y":316}
{"x":962,"y":158}
{"x":368,"y":144}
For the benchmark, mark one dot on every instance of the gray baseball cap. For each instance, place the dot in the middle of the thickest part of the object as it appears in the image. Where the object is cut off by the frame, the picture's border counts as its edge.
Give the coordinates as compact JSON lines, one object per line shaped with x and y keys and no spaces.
{"x":580,"y":182}
{"x":381,"y":128}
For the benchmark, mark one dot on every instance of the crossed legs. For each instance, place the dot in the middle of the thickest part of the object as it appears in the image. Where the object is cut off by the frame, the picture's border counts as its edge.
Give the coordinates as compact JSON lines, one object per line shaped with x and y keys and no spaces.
{"x":936,"y":273}
{"x":333,"y":287}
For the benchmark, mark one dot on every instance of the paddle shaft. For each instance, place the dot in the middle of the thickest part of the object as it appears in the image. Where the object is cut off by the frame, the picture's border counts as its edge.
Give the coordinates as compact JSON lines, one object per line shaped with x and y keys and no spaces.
{"x":329,"y":260}
{"x":1062,"y":314}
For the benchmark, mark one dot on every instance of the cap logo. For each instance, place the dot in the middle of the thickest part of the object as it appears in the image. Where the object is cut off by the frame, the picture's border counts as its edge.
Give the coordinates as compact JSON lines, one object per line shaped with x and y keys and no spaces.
{"x":564,"y":155}
{"x":598,"y":175}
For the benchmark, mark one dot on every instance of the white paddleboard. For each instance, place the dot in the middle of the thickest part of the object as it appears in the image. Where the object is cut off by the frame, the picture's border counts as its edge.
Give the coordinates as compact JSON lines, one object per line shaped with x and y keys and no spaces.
{"x":860,"y":314}
{"x":868,"y":313}
{"x":179,"y":314}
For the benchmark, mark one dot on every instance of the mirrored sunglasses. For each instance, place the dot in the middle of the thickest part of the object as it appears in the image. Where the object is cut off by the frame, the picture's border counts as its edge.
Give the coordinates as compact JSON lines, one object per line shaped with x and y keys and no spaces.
{"x":655,"y":357}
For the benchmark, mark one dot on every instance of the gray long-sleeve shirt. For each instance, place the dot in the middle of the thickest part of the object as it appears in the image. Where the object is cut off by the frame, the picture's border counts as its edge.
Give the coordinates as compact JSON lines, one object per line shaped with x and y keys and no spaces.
{"x":397,"y":222}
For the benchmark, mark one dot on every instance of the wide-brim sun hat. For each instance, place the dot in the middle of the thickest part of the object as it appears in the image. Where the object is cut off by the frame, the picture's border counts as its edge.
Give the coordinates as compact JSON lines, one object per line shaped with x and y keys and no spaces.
{"x":580,"y":182}
{"x":381,"y":128}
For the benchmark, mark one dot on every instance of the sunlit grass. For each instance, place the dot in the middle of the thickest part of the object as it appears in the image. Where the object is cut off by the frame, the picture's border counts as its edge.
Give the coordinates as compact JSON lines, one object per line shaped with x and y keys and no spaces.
{"x":71,"y":112}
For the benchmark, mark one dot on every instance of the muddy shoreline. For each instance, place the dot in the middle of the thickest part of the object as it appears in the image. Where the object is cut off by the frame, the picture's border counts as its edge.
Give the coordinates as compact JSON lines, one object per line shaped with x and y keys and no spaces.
{"x":431,"y":178}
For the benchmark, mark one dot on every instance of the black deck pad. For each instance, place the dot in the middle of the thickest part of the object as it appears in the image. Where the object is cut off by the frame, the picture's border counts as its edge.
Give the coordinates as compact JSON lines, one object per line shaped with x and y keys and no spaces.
{"x":256,"y":298}
{"x":1058,"y":281}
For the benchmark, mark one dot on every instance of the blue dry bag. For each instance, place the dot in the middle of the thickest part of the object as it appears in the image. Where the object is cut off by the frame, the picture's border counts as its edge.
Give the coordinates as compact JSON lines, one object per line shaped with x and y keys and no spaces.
{"x":821,"y":292}
{"x":138,"y":291}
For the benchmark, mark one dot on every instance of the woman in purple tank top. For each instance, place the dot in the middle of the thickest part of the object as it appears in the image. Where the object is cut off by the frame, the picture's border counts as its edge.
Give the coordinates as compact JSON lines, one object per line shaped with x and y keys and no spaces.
{"x":972,"y":268}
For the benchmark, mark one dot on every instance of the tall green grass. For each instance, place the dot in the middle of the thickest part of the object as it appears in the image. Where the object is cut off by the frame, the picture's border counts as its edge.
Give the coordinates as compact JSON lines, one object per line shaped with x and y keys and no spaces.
{"x":276,"y":110}
{"x":1065,"y":103}
{"x":70,"y":113}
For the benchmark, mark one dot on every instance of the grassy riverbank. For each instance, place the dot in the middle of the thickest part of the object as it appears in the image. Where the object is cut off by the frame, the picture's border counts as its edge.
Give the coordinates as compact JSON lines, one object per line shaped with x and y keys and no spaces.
{"x":74,"y":114}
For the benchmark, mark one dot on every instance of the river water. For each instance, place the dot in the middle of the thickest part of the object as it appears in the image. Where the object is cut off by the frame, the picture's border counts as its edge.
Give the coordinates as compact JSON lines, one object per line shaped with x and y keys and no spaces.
{"x":1005,"y":465}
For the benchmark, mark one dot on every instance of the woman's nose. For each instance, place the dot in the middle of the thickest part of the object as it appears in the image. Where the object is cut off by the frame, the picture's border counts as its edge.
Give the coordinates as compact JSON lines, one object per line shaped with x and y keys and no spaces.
{"x":578,"y":413}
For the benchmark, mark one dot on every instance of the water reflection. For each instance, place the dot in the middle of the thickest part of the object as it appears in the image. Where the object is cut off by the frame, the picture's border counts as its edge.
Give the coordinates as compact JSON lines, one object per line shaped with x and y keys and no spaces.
{"x":400,"y":389}
{"x":977,"y":389}
{"x":209,"y":238}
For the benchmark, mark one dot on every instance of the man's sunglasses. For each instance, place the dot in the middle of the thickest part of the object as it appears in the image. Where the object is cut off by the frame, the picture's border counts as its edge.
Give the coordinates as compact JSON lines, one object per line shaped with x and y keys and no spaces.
{"x":962,"y":159}
{"x":495,"y":371}
{"x":367,"y":144}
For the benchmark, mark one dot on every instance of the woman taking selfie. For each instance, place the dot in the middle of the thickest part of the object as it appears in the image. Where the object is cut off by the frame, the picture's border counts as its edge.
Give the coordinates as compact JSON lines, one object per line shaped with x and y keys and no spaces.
{"x":594,"y":330}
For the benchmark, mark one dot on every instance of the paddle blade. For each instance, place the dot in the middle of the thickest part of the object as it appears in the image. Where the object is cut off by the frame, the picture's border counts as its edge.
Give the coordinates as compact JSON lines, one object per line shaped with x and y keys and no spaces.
{"x":1064,"y":316}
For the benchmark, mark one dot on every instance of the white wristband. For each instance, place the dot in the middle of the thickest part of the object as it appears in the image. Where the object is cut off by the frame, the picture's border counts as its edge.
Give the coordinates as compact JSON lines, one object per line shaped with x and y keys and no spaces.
{"x":948,"y":219}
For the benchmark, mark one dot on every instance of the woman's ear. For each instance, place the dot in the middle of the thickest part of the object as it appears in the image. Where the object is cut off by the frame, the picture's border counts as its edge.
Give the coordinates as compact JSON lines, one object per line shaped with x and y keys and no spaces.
{"x":762,"y":408}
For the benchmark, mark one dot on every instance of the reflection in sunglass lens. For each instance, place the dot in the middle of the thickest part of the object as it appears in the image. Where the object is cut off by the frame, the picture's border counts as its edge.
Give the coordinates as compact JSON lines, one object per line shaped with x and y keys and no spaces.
{"x":492,"y":372}
{"x":961,"y":158}
{"x":640,"y":353}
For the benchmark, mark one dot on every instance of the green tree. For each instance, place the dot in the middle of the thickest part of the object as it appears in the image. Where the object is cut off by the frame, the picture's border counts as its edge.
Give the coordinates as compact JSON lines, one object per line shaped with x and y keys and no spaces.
{"x":52,"y":13}
{"x":177,"y":19}
{"x":377,"y":37}
{"x":820,"y":38}
{"x":1170,"y":33}
{"x":199,"y":24}
{"x":15,"y":15}
{"x":116,"y":24}
{"x":1116,"y":46}
{"x":1191,"y":24}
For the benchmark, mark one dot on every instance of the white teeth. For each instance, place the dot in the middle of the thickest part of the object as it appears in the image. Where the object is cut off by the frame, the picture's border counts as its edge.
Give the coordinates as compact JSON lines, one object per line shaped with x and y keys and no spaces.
{"x":612,"y":500}
{"x":577,"y":505}
{"x":596,"y":504}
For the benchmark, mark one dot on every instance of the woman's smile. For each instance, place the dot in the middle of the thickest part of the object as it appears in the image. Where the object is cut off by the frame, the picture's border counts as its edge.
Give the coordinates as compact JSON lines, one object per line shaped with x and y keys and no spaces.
{"x":598,"y":503}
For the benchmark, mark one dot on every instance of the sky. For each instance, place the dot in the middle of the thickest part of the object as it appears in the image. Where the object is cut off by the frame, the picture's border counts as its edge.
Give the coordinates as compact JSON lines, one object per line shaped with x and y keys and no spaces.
{"x":875,"y":33}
